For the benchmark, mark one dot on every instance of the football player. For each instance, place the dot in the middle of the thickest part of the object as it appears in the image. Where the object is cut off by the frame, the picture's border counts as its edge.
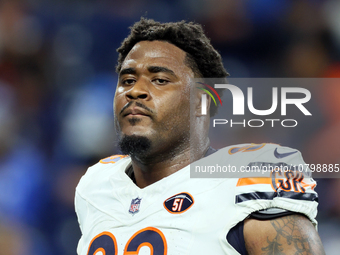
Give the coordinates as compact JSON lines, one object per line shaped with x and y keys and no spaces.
{"x":144,"y":202}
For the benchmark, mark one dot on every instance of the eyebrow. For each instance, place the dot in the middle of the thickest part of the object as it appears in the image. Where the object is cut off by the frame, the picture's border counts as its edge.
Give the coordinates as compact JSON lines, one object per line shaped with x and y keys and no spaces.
{"x":151,"y":69}
{"x":129,"y":70}
{"x":161,"y":69}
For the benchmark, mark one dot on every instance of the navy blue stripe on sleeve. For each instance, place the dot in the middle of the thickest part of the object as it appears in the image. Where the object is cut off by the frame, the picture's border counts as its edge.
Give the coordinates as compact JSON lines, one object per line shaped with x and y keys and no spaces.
{"x":270,"y":195}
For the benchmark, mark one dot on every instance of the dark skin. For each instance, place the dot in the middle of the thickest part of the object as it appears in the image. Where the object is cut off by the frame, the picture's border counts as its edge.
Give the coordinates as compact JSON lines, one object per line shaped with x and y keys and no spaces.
{"x":153,"y":100}
{"x":293,"y":234}
{"x":154,"y":74}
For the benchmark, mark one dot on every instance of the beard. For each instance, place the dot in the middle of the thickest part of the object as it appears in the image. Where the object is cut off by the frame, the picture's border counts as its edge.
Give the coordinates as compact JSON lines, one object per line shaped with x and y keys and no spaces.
{"x":135,"y":146}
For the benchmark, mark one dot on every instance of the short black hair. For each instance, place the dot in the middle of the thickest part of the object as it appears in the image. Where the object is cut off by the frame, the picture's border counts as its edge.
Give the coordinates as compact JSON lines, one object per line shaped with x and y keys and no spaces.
{"x":201,"y":56}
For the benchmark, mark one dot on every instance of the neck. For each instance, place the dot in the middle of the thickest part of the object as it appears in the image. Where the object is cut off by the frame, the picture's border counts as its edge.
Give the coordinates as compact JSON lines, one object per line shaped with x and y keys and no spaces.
{"x":147,"y":172}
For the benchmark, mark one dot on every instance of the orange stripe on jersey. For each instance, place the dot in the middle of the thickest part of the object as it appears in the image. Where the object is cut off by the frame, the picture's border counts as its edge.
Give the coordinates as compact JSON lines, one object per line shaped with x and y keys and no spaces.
{"x":254,"y":180}
{"x":112,"y":159}
{"x":247,"y":148}
{"x":311,"y":185}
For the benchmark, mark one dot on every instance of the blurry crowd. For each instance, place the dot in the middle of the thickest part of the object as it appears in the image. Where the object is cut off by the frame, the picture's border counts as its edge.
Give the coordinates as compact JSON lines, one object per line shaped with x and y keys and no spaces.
{"x":57,"y":82}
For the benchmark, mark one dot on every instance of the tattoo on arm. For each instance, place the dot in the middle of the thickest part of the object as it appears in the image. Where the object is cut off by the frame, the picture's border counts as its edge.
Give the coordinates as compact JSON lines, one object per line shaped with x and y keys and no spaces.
{"x":288,"y":231}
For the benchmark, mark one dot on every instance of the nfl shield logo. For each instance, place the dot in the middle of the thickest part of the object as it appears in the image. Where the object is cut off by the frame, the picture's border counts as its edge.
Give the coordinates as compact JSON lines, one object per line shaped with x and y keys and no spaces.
{"x":134,"y":207}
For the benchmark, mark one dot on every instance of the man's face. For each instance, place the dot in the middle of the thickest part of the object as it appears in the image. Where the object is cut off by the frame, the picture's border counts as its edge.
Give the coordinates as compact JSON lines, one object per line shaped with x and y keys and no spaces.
{"x":152,"y":99}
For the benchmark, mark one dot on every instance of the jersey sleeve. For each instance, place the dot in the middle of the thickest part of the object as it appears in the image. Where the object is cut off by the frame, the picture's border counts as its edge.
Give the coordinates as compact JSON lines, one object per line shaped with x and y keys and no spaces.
{"x":284,"y":182}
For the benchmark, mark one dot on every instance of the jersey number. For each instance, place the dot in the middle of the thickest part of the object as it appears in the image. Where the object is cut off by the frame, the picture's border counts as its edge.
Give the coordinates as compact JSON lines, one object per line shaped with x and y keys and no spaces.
{"x":177,"y":206}
{"x":288,"y":181}
{"x":151,"y":237}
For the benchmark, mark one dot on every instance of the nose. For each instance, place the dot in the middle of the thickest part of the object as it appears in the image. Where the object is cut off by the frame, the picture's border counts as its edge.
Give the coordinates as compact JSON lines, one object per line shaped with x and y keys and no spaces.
{"x":138,"y":91}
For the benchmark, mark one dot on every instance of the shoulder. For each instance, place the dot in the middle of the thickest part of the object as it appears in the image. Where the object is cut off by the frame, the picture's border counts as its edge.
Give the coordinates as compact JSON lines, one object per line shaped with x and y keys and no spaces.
{"x":264,"y":151}
{"x":245,"y":159}
{"x":95,"y":187}
{"x":271,"y":176}
{"x":257,"y":158}
{"x":104,"y":168}
{"x":108,"y":164}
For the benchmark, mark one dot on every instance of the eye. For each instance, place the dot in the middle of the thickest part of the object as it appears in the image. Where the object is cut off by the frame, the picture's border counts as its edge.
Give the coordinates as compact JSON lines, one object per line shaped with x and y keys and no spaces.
{"x":128,"y":81}
{"x":161,"y":81}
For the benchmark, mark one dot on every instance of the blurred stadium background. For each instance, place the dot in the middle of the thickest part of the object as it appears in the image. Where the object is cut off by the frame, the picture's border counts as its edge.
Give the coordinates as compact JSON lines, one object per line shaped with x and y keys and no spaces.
{"x":57,"y":83}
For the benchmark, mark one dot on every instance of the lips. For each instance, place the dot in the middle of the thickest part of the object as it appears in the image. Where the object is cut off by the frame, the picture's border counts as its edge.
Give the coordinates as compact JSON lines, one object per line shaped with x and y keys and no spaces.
{"x":135,"y":111}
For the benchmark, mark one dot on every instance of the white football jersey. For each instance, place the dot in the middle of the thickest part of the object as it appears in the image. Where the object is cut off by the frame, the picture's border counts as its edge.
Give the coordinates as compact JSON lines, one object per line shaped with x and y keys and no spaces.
{"x":183,"y":215}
